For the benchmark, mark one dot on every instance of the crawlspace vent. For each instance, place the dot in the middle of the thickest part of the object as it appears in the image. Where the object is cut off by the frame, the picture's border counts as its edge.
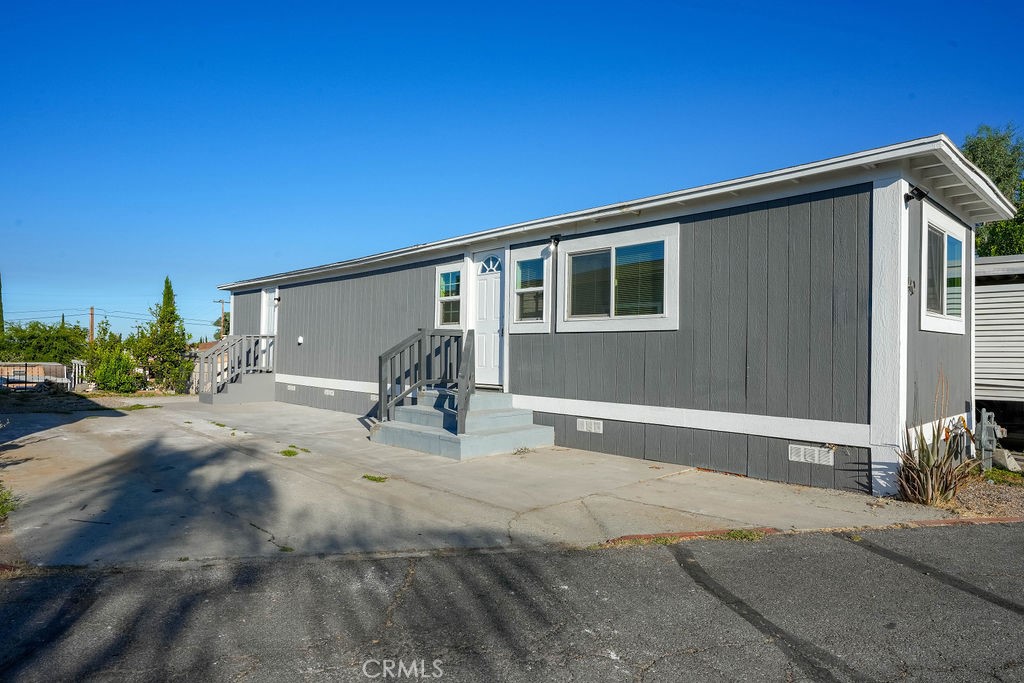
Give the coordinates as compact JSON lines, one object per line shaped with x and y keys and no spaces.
{"x":816,"y":455}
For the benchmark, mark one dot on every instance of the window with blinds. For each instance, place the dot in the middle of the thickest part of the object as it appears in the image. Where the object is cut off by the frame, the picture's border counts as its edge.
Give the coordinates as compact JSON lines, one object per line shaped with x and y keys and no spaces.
{"x":631,"y":276}
{"x":530,"y":289}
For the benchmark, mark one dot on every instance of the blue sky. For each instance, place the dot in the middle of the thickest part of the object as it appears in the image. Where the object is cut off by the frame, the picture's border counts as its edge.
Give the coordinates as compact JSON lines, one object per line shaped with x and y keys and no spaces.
{"x":219,"y":141}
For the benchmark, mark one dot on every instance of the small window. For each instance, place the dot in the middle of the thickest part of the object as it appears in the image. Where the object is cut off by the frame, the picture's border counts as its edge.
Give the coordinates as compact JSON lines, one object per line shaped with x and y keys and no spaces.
{"x":530,"y":290}
{"x":638,"y":276}
{"x":449,"y":298}
{"x":529,"y":296}
{"x":942,"y":268}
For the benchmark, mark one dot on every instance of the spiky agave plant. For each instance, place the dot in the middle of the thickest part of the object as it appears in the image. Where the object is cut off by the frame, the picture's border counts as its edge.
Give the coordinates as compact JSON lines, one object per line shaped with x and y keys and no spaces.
{"x":932,"y":470}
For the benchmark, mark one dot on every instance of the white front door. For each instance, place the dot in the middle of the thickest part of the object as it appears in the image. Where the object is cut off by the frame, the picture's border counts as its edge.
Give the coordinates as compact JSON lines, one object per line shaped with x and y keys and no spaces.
{"x":490,"y":314}
{"x":268,"y":326}
{"x":268,"y":311}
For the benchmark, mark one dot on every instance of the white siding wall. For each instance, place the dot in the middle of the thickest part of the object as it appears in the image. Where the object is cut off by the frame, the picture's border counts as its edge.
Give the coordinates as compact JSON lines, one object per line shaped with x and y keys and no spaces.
{"x":1000,"y":342}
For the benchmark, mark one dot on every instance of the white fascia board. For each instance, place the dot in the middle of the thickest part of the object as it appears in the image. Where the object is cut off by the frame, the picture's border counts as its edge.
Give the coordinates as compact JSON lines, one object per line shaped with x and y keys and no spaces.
{"x":328,"y":383}
{"x":939,"y":145}
{"x":796,"y":429}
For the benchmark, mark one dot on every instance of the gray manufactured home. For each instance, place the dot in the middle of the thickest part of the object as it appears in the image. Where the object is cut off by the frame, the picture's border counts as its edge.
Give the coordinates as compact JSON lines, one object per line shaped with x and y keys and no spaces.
{"x":785,"y":326}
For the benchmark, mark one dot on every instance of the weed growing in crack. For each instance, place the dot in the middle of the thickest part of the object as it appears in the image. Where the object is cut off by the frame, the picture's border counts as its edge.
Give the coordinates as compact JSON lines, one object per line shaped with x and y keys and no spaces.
{"x":379,"y":478}
{"x":289,"y":453}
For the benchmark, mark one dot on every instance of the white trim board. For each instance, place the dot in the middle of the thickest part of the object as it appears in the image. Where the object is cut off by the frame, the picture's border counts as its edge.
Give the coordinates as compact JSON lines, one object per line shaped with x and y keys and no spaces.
{"x":814,"y":431}
{"x":328,"y":383}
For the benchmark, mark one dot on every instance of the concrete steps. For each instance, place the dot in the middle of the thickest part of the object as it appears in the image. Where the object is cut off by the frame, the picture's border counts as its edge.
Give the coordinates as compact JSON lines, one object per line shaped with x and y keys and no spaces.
{"x":493,"y":426}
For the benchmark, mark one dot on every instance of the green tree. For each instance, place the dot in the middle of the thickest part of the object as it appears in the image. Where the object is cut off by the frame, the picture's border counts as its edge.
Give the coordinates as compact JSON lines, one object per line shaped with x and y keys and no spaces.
{"x":1,"y":310}
{"x":227,"y":325}
{"x":162,"y":346}
{"x":39,"y":342}
{"x":999,"y":152}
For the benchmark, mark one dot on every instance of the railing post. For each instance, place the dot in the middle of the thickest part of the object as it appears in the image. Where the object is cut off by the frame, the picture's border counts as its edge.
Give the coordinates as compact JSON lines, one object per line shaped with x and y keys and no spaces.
{"x":382,"y":396}
{"x":423,"y":356}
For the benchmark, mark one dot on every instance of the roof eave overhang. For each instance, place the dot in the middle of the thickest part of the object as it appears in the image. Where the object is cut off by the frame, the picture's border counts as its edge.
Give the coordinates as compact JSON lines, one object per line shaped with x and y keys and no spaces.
{"x":995,"y":205}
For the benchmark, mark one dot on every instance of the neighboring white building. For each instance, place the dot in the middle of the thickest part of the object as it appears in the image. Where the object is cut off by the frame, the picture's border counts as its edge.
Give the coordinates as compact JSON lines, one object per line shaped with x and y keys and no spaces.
{"x":999,"y":350}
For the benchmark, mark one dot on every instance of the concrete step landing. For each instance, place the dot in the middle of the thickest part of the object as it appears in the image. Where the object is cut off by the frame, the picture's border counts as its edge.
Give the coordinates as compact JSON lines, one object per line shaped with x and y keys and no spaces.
{"x":493,"y":426}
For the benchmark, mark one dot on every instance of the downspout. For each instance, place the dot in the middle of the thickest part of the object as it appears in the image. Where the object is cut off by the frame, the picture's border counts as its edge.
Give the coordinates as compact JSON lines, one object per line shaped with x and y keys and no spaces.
{"x":555,"y":239}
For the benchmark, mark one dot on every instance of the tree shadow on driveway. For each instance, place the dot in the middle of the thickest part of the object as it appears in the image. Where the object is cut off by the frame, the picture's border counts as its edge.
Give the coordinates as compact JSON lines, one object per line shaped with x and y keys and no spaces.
{"x":276,"y":613}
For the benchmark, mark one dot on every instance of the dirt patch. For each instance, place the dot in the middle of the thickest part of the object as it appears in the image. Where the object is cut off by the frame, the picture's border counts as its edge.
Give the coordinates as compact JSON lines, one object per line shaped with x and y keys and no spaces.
{"x":45,"y":401}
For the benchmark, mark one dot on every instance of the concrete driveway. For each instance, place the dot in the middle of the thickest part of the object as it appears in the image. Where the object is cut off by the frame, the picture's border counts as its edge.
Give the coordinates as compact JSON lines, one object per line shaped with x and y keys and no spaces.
{"x":190,"y":481}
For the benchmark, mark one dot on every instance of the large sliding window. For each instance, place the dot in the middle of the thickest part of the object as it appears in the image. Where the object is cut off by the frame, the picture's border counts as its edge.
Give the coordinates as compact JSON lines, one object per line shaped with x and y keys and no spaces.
{"x":942,"y":272}
{"x":621,"y":281}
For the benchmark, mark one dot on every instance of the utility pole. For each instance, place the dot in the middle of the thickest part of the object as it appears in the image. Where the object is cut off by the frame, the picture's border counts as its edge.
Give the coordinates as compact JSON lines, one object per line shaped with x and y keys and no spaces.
{"x":92,"y":322}
{"x":221,"y":302}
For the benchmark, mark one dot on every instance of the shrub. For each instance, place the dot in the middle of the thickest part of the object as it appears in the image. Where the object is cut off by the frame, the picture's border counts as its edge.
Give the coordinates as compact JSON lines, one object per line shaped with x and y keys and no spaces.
{"x":8,"y":502}
{"x":116,"y":372}
{"x":932,"y":471}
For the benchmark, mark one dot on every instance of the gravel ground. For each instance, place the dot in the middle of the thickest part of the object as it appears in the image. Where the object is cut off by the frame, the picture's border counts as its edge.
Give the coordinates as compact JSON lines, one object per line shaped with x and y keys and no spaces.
{"x":979,"y":498}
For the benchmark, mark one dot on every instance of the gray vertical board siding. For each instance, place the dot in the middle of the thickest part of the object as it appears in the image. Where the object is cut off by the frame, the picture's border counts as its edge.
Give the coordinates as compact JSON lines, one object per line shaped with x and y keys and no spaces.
{"x":757,"y":313}
{"x":701,"y":448}
{"x":774,"y":320}
{"x":701,"y":315}
{"x":347,"y":322}
{"x":739,"y":237}
{"x":800,"y":333}
{"x":851,"y":470}
{"x":844,"y":307}
{"x":246,"y":313}
{"x":757,"y":457}
{"x":738,"y":454}
{"x":932,"y":353}
{"x":763,"y":457}
{"x":778,"y":308}
{"x":681,"y":344}
{"x":719,"y":327}
{"x":778,"y":461}
{"x":822,"y":277}
{"x":356,"y":403}
{"x":720,"y":461}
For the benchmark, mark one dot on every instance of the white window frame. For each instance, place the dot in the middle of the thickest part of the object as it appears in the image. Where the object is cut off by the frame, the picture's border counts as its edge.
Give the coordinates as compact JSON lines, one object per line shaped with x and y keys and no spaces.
{"x":455,"y":267}
{"x":669,"y":320}
{"x":931,"y":217}
{"x":538,"y":251}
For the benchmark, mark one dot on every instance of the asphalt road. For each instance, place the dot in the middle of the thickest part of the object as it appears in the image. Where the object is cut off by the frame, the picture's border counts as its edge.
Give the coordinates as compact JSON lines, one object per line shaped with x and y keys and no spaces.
{"x":936,"y":604}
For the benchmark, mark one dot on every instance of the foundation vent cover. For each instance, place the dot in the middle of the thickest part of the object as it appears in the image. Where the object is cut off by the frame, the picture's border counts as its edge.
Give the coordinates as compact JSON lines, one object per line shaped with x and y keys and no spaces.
{"x":815,"y":455}
{"x":593,"y":426}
